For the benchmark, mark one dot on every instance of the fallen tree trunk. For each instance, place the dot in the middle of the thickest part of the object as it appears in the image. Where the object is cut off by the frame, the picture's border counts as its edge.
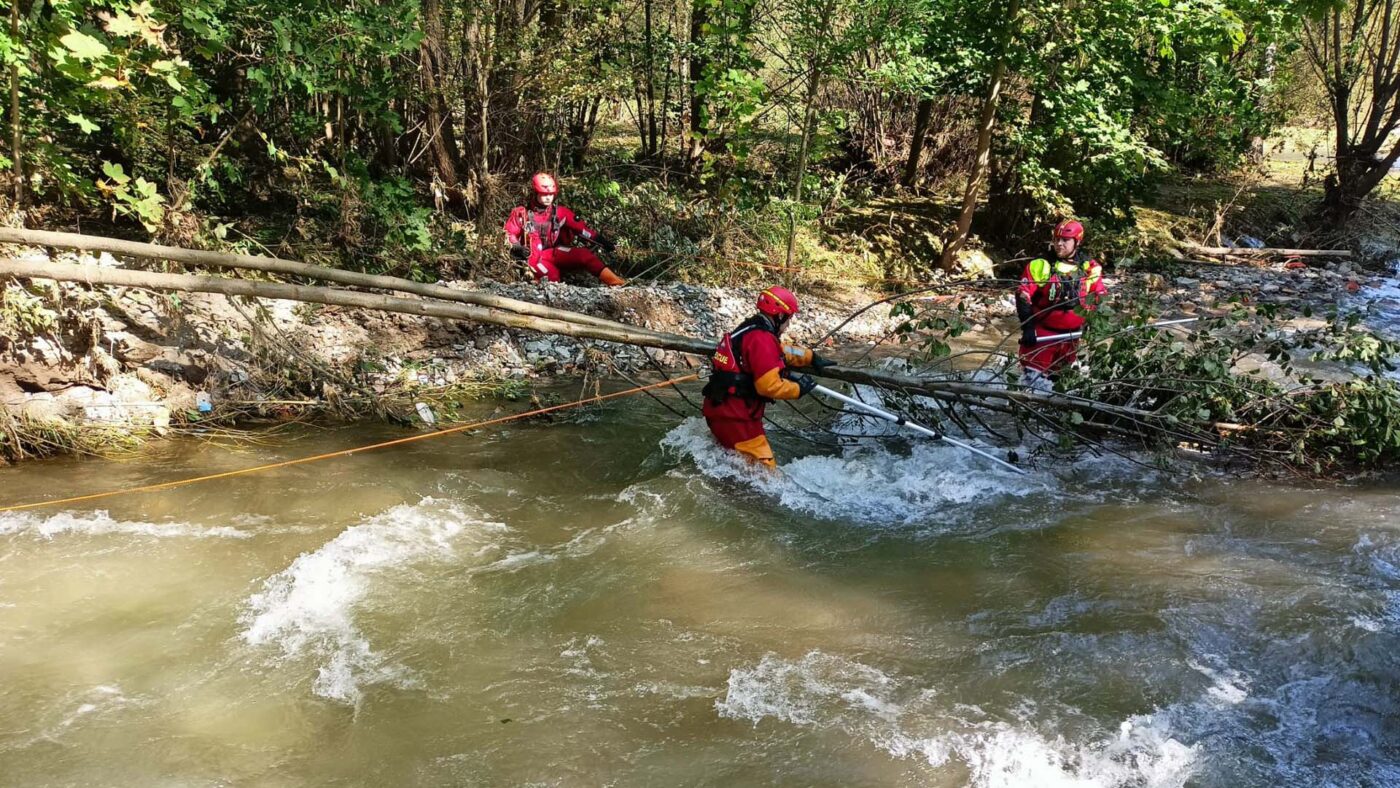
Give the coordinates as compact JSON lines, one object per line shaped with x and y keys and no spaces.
{"x":1227,"y":251}
{"x":274,"y":265}
{"x":122,"y":277}
{"x":966,"y":392}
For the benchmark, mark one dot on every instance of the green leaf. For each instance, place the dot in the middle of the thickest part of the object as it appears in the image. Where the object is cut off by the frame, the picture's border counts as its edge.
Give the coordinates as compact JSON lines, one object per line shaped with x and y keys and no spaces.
{"x":107,"y":83}
{"x":114,"y":171}
{"x":83,"y":46}
{"x":83,"y":124}
{"x":121,"y":24}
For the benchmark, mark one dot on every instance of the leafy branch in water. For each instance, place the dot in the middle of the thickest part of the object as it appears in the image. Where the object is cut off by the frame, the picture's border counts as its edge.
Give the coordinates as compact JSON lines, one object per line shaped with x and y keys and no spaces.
{"x":1243,"y":384}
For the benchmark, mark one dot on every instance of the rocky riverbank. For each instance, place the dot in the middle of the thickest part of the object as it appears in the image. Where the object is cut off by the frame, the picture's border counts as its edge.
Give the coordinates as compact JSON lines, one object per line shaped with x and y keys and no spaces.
{"x":133,"y":363}
{"x":139,"y":362}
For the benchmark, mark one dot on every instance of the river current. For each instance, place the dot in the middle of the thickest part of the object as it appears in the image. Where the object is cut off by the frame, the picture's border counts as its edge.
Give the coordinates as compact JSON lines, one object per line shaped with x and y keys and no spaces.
{"x":608,"y":599}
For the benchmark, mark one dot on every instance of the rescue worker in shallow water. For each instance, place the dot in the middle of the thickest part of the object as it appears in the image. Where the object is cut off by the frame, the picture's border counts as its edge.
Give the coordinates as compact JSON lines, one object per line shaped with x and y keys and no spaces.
{"x":1052,"y":299}
{"x":750,"y":369}
{"x":542,"y":235}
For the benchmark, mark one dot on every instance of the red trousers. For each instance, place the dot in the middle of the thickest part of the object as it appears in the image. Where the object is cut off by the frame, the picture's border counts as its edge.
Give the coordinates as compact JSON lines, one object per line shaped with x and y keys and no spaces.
{"x":548,"y":263}
{"x":1050,"y":357}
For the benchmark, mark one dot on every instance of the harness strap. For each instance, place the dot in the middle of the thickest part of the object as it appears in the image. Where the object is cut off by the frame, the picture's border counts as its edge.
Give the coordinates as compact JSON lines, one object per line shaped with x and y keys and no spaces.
{"x":724,"y":384}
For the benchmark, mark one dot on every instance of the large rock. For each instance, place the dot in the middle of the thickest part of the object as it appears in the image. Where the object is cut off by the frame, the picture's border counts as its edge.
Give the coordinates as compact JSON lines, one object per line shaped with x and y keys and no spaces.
{"x":975,"y":263}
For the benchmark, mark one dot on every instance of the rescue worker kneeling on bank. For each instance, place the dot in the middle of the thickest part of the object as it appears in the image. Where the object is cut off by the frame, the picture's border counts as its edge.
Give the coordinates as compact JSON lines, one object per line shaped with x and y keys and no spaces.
{"x":542,"y":235}
{"x":750,"y":369}
{"x":1051,"y":300}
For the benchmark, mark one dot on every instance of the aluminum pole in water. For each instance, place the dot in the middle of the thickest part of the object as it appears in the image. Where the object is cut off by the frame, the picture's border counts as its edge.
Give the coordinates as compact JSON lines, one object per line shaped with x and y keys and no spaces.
{"x":1078,"y":334}
{"x":919,"y":428}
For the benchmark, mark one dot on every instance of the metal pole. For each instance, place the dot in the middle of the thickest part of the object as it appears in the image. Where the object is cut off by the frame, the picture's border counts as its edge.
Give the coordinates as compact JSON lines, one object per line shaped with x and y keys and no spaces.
{"x":1078,"y":334}
{"x":919,"y":428}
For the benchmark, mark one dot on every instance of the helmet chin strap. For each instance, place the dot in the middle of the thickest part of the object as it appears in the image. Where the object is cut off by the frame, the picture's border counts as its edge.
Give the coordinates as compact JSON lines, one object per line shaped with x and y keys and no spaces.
{"x":778,"y":322}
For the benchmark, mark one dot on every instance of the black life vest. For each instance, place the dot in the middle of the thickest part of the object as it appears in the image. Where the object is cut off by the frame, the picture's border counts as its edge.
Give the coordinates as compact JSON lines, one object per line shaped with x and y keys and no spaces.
{"x":1062,"y":291}
{"x":728,"y":375}
{"x":544,"y":224}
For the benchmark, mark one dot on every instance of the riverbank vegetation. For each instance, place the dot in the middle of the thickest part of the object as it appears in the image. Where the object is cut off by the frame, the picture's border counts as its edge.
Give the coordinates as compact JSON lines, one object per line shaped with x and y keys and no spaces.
{"x":394,"y":136}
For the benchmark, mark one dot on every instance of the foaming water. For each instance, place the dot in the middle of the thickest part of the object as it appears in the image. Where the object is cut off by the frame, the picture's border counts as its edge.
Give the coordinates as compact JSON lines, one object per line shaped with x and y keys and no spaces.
{"x":909,"y":721}
{"x":309,"y":609}
{"x":929,"y":483}
{"x":101,"y":523}
{"x":1382,"y":303}
{"x":888,"y":612}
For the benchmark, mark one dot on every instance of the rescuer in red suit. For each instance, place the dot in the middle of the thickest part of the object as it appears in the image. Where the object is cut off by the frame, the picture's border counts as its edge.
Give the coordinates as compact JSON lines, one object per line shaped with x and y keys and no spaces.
{"x":543,"y":236}
{"x":1052,"y":299}
{"x":750,"y":369}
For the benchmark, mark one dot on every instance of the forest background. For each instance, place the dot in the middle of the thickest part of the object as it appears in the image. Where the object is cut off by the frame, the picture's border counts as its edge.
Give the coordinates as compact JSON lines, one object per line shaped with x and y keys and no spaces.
{"x":859,"y":140}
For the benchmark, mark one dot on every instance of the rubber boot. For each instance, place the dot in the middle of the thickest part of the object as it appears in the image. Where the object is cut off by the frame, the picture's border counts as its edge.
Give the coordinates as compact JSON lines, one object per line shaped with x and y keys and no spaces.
{"x":607,"y":277}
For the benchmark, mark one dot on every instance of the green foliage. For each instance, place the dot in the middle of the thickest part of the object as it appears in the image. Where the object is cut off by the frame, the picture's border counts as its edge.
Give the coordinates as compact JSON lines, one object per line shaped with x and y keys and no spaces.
{"x":136,"y":198}
{"x":1125,"y":88}
{"x":1314,"y":421}
{"x":23,"y":314}
{"x":931,"y":331}
{"x":1348,"y":425}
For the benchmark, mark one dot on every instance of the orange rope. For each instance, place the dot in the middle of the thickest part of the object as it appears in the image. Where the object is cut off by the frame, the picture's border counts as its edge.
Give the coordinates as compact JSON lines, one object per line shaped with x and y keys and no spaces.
{"x":345,"y":452}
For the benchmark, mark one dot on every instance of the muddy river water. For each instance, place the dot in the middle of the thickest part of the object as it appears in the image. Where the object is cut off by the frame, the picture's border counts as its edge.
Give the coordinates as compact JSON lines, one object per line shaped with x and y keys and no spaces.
{"x":605,"y":599}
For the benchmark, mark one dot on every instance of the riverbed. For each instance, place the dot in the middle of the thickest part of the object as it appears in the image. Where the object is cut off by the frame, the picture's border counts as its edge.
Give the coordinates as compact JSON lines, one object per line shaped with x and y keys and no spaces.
{"x":605,"y":598}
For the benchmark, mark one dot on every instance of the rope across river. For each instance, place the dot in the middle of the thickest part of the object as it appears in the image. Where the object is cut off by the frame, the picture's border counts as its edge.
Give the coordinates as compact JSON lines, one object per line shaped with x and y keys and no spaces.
{"x":345,"y":452}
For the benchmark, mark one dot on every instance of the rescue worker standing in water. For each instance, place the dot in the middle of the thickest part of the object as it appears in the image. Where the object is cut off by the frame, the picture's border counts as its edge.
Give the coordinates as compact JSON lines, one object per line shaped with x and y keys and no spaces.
{"x":542,"y":235}
{"x":750,"y":369}
{"x":1051,"y":300}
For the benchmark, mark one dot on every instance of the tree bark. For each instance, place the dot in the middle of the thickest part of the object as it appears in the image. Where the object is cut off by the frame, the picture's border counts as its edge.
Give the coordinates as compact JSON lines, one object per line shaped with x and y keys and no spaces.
{"x":699,"y":17}
{"x":16,"y":148}
{"x":814,"y":82}
{"x":1219,"y":251}
{"x":120,"y":277}
{"x":916,"y":145}
{"x":442,"y":139}
{"x":984,"y":141}
{"x":649,"y":136}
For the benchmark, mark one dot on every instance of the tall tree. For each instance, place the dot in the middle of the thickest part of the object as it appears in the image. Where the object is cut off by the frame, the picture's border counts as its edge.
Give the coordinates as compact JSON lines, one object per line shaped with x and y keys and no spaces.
{"x":995,"y":83}
{"x":1354,"y":46}
{"x":16,"y":146}
{"x":438,"y":121}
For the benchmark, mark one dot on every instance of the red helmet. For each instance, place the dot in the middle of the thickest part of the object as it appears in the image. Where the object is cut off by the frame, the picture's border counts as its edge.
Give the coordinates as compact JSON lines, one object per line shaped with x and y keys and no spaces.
{"x":1070,"y":229}
{"x":777,"y":301}
{"x":543,"y":183}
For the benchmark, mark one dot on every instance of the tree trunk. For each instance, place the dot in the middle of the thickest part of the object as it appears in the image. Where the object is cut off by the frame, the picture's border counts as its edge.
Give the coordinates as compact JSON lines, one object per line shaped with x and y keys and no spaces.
{"x":649,"y":137}
{"x":476,"y":92}
{"x":16,"y":148}
{"x":99,"y":275}
{"x":273,"y":265}
{"x":955,"y":391}
{"x":916,"y":145}
{"x":984,"y":142}
{"x":699,"y":17}
{"x":1354,"y":49}
{"x":814,"y":83}
{"x":442,"y":139}
{"x":1357,"y":175}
